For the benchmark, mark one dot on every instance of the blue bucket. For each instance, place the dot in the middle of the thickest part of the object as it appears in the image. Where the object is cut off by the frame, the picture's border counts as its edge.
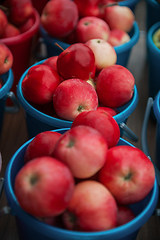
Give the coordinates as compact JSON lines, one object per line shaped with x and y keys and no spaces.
{"x":154,"y":62}
{"x":153,"y":13}
{"x":123,"y":51}
{"x":7,"y":80}
{"x":30,"y":228}
{"x":129,"y":3}
{"x":39,"y":122}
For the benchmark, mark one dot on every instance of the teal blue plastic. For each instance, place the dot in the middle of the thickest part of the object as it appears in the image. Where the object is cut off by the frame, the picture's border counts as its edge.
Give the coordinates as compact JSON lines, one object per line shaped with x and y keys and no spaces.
{"x":7,"y":80}
{"x":123,"y":51}
{"x":30,"y":228}
{"x":154,"y":62}
{"x":38,"y":121}
{"x":153,"y":13}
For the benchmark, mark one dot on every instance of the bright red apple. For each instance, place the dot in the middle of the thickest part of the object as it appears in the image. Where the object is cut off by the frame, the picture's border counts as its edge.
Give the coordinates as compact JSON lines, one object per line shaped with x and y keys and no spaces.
{"x":83,"y":149}
{"x":115,"y":86}
{"x":59,"y":17}
{"x":42,"y":145}
{"x":128,"y":174}
{"x":44,"y":187}
{"x":72,"y":97}
{"x":6,"y":58}
{"x":102,"y":122}
{"x":40,"y":83}
{"x":52,"y":62}
{"x":118,"y":37}
{"x":91,"y":208}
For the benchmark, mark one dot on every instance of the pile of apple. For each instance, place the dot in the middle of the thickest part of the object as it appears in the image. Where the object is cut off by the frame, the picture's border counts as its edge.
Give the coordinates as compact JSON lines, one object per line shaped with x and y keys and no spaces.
{"x":74,"y":180}
{"x":83,"y":20}
{"x":16,"y":17}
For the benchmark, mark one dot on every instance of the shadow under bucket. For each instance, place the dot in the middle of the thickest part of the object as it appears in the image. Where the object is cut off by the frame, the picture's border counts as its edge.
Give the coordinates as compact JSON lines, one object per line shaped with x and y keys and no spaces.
{"x":123,"y":51}
{"x":154,"y":62}
{"x":20,"y":47}
{"x":30,"y":228}
{"x":38,"y":121}
{"x":153,"y":13}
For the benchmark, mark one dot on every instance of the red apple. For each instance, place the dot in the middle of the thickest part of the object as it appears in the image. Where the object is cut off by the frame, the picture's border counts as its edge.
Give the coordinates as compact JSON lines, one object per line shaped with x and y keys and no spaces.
{"x":90,"y":28}
{"x":118,"y":37}
{"x":40,"y":83}
{"x":59,"y":17}
{"x":128,"y":174}
{"x":125,"y":215}
{"x":108,"y":110}
{"x":105,"y":54}
{"x":6,"y":58}
{"x":120,"y":17}
{"x":27,"y":25}
{"x":88,"y":7}
{"x":72,"y":97}
{"x":102,"y":122}
{"x":3,"y":22}
{"x":91,"y":208}
{"x":52,"y":62}
{"x":44,"y":187}
{"x":77,"y":61}
{"x":42,"y":145}
{"x":115,"y":86}
{"x":10,"y":31}
{"x":83,"y":149}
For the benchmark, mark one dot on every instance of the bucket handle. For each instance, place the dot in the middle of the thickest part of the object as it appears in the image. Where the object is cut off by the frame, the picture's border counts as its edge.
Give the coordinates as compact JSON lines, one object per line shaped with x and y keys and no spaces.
{"x":144,"y":142}
{"x":16,"y":106}
{"x":128,"y":132}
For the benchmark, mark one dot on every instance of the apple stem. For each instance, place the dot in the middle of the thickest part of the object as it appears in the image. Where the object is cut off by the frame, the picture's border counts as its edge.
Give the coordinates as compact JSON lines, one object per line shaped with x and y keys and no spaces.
{"x":5,"y":9}
{"x":59,"y":46}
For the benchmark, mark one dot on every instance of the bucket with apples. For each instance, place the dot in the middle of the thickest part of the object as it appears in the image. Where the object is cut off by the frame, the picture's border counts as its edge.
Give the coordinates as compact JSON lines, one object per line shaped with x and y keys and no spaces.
{"x":153,"y":13}
{"x":21,"y":23}
{"x":59,"y":187}
{"x":153,"y":47}
{"x":105,"y":20}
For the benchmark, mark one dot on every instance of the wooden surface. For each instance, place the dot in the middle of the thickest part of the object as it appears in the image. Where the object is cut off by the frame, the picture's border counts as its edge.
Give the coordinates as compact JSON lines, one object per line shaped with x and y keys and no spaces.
{"x":14,"y":132}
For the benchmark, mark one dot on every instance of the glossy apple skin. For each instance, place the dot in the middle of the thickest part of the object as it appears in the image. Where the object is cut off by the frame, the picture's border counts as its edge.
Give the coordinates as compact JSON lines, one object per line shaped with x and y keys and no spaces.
{"x":125,"y":215}
{"x":91,"y":208}
{"x":44,"y":187}
{"x":6,"y":59}
{"x":72,"y":97}
{"x":128,"y":174}
{"x":42,"y":145}
{"x":56,"y":24}
{"x":77,"y":61}
{"x":105,"y":54}
{"x":115,"y":86}
{"x":90,"y":28}
{"x":102,"y":122}
{"x":11,"y":31}
{"x":40,"y":83}
{"x":3,"y":21}
{"x":120,"y":17}
{"x":88,"y":7}
{"x":52,"y":62}
{"x":83,"y":160}
{"x":108,"y":110}
{"x":118,"y":37}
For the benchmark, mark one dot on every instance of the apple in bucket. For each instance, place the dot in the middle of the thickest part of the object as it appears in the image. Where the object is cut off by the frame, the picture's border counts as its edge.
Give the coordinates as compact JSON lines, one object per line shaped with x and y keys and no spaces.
{"x":6,"y":58}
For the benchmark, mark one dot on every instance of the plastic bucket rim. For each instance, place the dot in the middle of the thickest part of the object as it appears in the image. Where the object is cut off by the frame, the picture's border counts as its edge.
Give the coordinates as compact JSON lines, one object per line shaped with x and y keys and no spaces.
{"x":8,"y":83}
{"x":152,"y":47}
{"x":128,"y":2}
{"x":132,"y":225}
{"x":154,"y":3}
{"x":26,"y":35}
{"x":120,"y":117}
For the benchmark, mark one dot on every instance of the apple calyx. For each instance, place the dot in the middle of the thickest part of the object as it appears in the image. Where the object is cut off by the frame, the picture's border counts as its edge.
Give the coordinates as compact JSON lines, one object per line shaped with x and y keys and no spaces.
{"x":34,"y":179}
{"x":128,"y":176}
{"x":71,"y":143}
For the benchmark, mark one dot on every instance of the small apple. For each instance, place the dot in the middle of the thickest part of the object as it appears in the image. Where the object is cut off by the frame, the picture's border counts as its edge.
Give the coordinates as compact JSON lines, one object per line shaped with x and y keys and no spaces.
{"x":91,"y":208}
{"x":101,"y":121}
{"x":128,"y":174}
{"x":52,"y":62}
{"x":156,"y":38}
{"x":6,"y":58}
{"x":72,"y":97}
{"x":84,"y":160}
{"x":109,"y":110}
{"x":105,"y":54}
{"x":88,"y":7}
{"x":77,"y":61}
{"x":42,"y":145}
{"x":59,"y":17}
{"x":90,"y":28}
{"x":3,"y":22}
{"x":40,"y":83}
{"x":115,"y":86}
{"x":118,"y":37}
{"x":11,"y":31}
{"x":44,"y":187}
{"x":125,"y":215}
{"x":120,"y":17}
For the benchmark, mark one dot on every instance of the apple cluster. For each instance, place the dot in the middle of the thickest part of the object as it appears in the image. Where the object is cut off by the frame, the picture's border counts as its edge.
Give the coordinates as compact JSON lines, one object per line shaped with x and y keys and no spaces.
{"x":83,"y":20}
{"x":74,"y":180}
{"x":16,"y":17}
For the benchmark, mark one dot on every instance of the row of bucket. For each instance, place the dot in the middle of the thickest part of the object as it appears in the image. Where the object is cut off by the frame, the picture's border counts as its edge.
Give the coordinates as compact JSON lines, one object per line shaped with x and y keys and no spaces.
{"x":29,"y":227}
